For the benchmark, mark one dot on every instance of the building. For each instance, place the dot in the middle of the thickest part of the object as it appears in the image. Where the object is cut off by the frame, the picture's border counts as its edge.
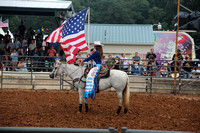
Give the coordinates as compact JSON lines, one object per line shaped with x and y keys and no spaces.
{"x":121,"y":38}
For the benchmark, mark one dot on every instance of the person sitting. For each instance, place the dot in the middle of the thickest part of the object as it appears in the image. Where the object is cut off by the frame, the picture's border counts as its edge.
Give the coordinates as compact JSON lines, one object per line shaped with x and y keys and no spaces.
{"x":164,"y":71}
{"x":22,"y":66}
{"x":91,"y":80}
{"x":57,"y":59}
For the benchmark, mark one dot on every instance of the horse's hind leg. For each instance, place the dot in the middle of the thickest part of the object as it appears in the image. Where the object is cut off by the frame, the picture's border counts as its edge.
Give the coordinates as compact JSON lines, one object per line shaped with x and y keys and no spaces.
{"x":119,"y":94}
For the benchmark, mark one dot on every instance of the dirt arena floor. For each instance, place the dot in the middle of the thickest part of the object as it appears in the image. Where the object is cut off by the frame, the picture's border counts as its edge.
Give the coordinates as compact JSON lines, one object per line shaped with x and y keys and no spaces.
{"x":31,"y":108}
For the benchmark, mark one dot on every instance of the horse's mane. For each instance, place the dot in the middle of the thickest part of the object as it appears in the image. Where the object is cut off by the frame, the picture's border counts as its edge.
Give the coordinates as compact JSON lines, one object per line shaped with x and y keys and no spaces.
{"x":65,"y":63}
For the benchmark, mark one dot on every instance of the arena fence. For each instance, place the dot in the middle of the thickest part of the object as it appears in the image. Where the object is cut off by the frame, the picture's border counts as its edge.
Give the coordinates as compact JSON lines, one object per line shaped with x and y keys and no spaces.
{"x":77,"y":130}
{"x":125,"y":130}
{"x":54,"y":130}
{"x":37,"y":77}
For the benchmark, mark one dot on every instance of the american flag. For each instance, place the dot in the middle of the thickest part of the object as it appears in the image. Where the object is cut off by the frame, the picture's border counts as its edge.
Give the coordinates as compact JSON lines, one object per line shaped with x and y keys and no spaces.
{"x":71,"y":35}
{"x":55,"y":36}
{"x":4,"y":24}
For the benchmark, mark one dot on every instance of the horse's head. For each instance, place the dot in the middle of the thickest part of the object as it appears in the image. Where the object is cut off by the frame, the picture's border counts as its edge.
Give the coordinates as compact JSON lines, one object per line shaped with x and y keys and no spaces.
{"x":56,"y":70}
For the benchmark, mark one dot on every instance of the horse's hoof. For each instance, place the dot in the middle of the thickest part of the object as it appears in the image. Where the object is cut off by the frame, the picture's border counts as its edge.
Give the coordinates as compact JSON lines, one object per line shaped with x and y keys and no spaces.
{"x":86,"y":107}
{"x":125,"y":110}
{"x":119,"y":109}
{"x":80,"y":107}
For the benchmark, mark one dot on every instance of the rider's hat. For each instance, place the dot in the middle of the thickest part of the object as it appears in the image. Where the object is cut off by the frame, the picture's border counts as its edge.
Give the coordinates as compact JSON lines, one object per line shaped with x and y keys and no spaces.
{"x":98,"y":43}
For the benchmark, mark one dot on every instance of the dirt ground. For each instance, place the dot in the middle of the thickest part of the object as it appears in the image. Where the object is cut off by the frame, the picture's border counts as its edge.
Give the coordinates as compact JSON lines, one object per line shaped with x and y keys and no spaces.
{"x":31,"y":108}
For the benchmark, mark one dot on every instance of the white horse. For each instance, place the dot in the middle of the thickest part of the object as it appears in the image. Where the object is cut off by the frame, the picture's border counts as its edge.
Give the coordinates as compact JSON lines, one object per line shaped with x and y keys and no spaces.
{"x":118,"y":80}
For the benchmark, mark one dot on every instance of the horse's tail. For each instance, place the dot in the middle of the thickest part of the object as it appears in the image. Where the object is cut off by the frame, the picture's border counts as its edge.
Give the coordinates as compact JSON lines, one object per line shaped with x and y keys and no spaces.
{"x":126,"y":95}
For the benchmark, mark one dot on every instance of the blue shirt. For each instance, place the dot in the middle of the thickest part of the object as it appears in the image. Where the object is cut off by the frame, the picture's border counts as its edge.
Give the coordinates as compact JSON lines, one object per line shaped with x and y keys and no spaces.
{"x":95,"y":57}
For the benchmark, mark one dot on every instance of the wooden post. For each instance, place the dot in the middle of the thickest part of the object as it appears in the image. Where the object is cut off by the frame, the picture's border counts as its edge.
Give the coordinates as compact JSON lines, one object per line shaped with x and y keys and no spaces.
{"x":175,"y":68}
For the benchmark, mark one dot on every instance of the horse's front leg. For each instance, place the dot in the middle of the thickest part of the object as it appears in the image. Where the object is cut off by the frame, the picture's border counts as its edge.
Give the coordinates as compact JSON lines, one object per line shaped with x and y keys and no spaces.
{"x":81,"y":92}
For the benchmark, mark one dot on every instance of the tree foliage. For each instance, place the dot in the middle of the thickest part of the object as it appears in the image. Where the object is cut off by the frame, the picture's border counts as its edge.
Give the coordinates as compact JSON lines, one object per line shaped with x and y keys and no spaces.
{"x":115,"y":12}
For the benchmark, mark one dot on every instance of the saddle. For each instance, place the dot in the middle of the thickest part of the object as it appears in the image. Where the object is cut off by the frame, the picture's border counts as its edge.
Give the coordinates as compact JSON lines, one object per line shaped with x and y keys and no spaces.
{"x":101,"y":75}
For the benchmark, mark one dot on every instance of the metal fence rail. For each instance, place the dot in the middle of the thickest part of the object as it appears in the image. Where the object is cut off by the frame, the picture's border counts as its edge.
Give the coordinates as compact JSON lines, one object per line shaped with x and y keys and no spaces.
{"x":78,"y":130}
{"x":55,"y":130}
{"x":125,"y":130}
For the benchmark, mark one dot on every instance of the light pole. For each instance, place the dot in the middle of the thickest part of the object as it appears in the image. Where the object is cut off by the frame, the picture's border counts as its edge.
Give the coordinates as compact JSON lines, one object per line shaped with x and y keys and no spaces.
{"x":159,"y":26}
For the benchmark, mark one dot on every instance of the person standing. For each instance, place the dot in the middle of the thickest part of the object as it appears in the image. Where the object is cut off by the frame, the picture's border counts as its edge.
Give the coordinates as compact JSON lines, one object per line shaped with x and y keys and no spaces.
{"x":136,"y":64}
{"x":14,"y":56}
{"x":110,"y":62}
{"x":7,"y":52}
{"x":2,"y":45}
{"x":51,"y":53}
{"x":124,"y":62}
{"x":179,"y":60}
{"x":151,"y":55}
{"x":116,"y":64}
{"x":21,"y":29}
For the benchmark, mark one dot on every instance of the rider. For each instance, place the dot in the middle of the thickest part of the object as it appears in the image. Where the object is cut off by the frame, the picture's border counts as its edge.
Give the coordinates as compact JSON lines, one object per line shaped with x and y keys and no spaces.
{"x":91,"y":80}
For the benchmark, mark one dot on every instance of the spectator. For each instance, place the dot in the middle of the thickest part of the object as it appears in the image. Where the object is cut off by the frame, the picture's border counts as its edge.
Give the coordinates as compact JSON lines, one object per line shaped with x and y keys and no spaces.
{"x":79,"y":56}
{"x":179,"y":60}
{"x":22,"y":66}
{"x":164,"y":71}
{"x":32,"y":46}
{"x":21,"y":54}
{"x":153,"y":67}
{"x":144,"y":70}
{"x":116,"y":64}
{"x":46,"y":48}
{"x":17,"y":43}
{"x":51,"y":53}
{"x":41,"y":34}
{"x":57,"y":58}
{"x":151,"y":54}
{"x":103,"y":61}
{"x":78,"y":62}
{"x":35,"y":53}
{"x":16,"y":34}
{"x":14,"y":56}
{"x":38,"y":43}
{"x":41,"y":59}
{"x":25,"y":41}
{"x":124,"y":62}
{"x":7,"y":38}
{"x":11,"y":44}
{"x":136,"y":64}
{"x":24,"y":48}
{"x":21,"y":29}
{"x":186,"y":68}
{"x":2,"y":45}
{"x":196,"y":70}
{"x":110,"y":62}
{"x":29,"y":36}
{"x":7,"y":52}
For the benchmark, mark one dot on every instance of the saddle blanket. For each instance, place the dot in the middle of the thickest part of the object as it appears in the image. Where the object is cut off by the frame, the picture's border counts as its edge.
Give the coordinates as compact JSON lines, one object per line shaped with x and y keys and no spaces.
{"x":91,"y":82}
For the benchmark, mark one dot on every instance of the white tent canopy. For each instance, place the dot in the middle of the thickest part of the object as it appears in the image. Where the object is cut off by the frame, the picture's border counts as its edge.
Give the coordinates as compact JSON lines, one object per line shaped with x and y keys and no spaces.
{"x":2,"y":32}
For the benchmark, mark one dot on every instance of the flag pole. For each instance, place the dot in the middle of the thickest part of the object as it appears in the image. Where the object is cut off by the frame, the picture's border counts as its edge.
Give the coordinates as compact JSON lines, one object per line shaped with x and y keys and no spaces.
{"x":8,"y":24}
{"x":88,"y":29}
{"x":175,"y":68}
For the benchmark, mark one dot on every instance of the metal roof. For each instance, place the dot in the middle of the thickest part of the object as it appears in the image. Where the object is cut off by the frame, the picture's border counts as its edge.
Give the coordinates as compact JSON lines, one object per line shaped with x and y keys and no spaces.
{"x":121,"y":33}
{"x":34,"y":7}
